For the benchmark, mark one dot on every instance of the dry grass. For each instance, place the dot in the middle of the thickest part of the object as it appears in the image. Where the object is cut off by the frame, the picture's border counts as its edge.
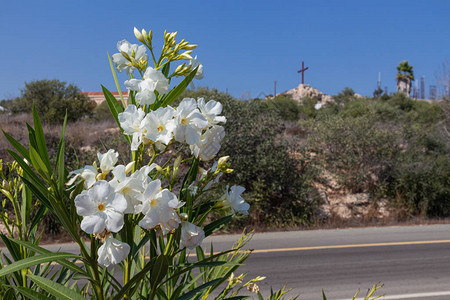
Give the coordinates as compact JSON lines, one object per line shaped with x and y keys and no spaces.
{"x":84,"y":134}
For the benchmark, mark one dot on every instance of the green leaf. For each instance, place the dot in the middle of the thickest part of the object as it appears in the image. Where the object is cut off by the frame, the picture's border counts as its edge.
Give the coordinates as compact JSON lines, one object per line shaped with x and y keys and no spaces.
{"x":41,"y":250}
{"x":56,"y":289}
{"x":21,"y":149}
{"x":13,"y":249}
{"x":216,"y":225}
{"x":115,"y":108}
{"x":191,"y":294}
{"x":38,"y":217}
{"x":165,"y":70}
{"x":32,"y":177}
{"x":35,"y":260}
{"x":40,"y":139}
{"x":136,"y":278}
{"x":29,"y":293}
{"x":60,"y":169}
{"x":176,"y":91}
{"x":323,"y":295}
{"x":113,"y":71}
{"x":39,"y":164}
{"x":159,"y":270}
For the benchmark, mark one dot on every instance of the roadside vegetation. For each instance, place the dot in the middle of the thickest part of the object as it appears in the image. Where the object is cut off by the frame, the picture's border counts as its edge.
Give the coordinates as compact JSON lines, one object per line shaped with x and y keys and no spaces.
{"x":392,"y":148}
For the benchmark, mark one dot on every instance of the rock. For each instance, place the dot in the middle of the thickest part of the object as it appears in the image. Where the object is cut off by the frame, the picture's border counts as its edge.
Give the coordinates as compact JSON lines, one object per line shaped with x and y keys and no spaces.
{"x":306,"y":91}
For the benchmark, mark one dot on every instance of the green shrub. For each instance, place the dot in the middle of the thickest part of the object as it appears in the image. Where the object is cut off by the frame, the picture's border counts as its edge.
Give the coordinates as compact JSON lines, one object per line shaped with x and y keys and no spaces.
{"x":277,"y":183}
{"x":354,"y":149}
{"x":53,"y":99}
{"x":286,"y":108}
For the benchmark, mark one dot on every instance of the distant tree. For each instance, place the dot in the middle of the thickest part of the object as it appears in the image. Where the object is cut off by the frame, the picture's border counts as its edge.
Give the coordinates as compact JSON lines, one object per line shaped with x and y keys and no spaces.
{"x":52,"y":99}
{"x":377,"y":93}
{"x":346,"y":95}
{"x":405,"y":76}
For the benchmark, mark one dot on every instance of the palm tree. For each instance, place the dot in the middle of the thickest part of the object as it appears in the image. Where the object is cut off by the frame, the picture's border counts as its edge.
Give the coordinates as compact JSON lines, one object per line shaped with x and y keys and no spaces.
{"x":404,"y":77}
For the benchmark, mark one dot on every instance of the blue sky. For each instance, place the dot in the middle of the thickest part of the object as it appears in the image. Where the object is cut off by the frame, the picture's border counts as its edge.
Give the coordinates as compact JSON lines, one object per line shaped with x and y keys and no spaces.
{"x":244,"y":45}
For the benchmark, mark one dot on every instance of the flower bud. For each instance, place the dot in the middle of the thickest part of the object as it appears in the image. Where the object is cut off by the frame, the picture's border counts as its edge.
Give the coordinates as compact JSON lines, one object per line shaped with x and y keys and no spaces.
{"x":184,"y":216}
{"x":185,"y":56}
{"x":138,"y":35}
{"x":6,"y":185}
{"x":129,"y":167}
{"x":190,"y":47}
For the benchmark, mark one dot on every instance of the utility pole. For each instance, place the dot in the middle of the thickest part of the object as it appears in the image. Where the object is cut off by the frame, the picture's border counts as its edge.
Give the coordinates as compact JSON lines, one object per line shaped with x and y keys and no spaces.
{"x":275,"y":88}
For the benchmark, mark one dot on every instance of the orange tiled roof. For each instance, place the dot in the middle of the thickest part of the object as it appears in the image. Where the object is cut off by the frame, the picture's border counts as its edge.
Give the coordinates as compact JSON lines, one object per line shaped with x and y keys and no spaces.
{"x":99,"y":98}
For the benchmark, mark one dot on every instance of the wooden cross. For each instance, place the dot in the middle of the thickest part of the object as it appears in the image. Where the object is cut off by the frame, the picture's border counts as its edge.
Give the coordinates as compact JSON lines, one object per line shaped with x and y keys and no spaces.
{"x":303,"y":71}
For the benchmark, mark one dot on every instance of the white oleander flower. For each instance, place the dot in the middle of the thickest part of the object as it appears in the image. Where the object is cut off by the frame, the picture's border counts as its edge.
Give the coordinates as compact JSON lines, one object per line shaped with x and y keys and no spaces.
{"x":318,"y":106}
{"x":130,"y":121}
{"x":158,"y":125}
{"x":112,"y":251}
{"x":189,"y":122}
{"x":131,"y":187}
{"x":209,"y":144}
{"x":153,"y":80}
{"x":235,"y":200}
{"x":191,"y":235}
{"x":107,"y":160}
{"x":88,"y":174}
{"x":101,"y":208}
{"x":133,"y":51}
{"x":159,"y":208}
{"x":211,"y":110}
{"x":194,"y":63}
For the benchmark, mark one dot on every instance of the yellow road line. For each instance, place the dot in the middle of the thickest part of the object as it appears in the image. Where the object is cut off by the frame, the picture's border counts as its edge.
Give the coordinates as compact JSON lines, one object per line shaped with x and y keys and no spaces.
{"x":328,"y":247}
{"x":351,"y":246}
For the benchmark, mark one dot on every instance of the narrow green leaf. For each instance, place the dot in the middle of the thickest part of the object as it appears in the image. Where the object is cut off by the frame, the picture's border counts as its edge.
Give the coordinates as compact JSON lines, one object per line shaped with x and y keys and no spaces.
{"x":36,"y":190}
{"x":25,"y":207}
{"x":237,"y":298}
{"x":39,"y":164}
{"x":56,"y":289}
{"x":216,"y":225}
{"x":115,"y":108}
{"x":176,"y":91}
{"x":189,"y":295}
{"x":60,"y":169}
{"x":32,"y":177}
{"x":159,"y":270}
{"x":136,"y":278}
{"x":35,"y":260}
{"x":119,"y":90}
{"x":21,"y":149}
{"x":13,"y":249}
{"x":165,"y":70}
{"x":30,"y":294}
{"x":41,"y":250}
{"x":40,"y":139}
{"x":323,"y":295}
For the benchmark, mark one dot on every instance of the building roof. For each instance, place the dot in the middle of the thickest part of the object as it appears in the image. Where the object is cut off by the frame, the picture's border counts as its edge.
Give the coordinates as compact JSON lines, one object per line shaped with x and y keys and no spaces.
{"x":99,"y":98}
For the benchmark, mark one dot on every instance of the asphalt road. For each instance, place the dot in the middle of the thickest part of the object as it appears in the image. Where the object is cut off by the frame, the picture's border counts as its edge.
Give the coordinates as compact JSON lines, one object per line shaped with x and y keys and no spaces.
{"x":412,"y":262}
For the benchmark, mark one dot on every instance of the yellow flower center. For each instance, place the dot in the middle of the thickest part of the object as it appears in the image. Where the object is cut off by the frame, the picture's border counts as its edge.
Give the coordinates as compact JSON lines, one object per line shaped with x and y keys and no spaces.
{"x":153,"y":202}
{"x":101,"y":207}
{"x":184,"y":121}
{"x":160,"y":128}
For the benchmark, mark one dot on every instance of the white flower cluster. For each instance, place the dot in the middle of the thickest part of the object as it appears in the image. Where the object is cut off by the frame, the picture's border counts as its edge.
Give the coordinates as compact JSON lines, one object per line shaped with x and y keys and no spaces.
{"x":192,"y":122}
{"x":153,"y":80}
{"x":104,"y":203}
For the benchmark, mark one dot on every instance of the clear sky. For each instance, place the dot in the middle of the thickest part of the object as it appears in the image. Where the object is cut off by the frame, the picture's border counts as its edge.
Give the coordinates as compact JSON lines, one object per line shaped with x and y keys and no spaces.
{"x":244,"y":45}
